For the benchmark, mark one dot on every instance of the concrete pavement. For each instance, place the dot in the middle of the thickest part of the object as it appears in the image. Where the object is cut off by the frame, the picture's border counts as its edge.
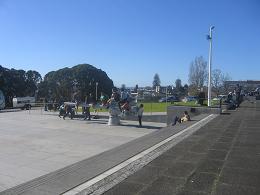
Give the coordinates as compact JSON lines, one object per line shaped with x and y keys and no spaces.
{"x":34,"y":144}
{"x":222,"y":158}
{"x":64,"y":179}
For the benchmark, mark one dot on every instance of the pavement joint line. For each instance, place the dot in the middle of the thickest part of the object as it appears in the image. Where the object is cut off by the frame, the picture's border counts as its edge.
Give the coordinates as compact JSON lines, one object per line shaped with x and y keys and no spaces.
{"x":82,"y":187}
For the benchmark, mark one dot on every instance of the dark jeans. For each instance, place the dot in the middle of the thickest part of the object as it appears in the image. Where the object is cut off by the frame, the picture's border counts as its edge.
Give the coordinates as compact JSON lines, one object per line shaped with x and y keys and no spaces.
{"x":140,"y":120}
{"x":176,"y":119}
{"x":67,"y":113}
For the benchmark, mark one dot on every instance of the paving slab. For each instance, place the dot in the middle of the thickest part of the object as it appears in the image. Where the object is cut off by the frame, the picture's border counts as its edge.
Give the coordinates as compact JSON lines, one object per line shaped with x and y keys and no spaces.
{"x":211,"y":161}
{"x":34,"y":143}
{"x":220,"y":158}
{"x":84,"y":149}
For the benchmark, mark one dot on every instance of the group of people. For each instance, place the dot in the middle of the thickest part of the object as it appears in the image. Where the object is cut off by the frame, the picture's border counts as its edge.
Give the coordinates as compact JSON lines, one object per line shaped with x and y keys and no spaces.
{"x":122,"y":99}
{"x":123,"y":103}
{"x":235,"y":97}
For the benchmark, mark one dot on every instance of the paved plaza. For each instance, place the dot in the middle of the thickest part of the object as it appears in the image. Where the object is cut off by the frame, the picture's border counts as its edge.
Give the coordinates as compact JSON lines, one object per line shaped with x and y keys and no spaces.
{"x":222,"y":158}
{"x":34,"y":143}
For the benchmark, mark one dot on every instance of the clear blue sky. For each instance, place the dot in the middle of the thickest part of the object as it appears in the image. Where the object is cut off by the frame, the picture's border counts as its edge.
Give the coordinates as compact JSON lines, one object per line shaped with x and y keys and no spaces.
{"x":131,"y":40}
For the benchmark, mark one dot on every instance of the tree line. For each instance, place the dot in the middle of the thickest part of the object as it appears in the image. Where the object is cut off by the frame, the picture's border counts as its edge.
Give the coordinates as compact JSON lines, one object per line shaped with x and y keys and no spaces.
{"x":75,"y":83}
{"x":16,"y":83}
{"x":62,"y":85}
{"x":198,"y":79}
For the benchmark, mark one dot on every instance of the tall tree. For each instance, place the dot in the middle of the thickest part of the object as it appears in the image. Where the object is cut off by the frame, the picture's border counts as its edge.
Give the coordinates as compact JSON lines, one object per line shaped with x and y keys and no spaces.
{"x":33,"y":78}
{"x":217,"y":76}
{"x":18,"y":83}
{"x":156,"y":80}
{"x":198,"y":73}
{"x":226,"y":77}
{"x":80,"y":80}
{"x":218,"y":80}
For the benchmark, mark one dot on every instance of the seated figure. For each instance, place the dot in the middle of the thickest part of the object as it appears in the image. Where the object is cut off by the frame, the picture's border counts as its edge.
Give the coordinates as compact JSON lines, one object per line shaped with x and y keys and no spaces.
{"x":184,"y":118}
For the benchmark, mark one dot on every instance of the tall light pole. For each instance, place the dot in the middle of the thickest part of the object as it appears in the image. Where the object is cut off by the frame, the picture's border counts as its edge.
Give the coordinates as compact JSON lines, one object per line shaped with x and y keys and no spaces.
{"x":96,"y":90}
{"x":210,"y":61}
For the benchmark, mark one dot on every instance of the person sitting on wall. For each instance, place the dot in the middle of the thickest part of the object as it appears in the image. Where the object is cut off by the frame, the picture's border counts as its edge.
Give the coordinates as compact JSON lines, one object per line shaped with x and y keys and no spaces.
{"x":184,"y":118}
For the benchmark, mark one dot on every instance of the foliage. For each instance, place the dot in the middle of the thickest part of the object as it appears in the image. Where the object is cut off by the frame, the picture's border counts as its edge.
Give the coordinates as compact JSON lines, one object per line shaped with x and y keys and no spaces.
{"x":75,"y":83}
{"x":18,"y":83}
{"x":217,"y":76}
{"x":218,"y":81}
{"x":156,"y":81}
{"x":198,"y":73}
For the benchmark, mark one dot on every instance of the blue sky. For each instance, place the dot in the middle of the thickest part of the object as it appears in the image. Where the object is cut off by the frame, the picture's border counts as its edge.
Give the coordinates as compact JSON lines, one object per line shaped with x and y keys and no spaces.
{"x":131,"y":40}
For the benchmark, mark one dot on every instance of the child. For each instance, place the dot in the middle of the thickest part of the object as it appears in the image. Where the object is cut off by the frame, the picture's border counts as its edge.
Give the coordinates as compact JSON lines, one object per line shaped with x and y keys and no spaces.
{"x":140,"y":114}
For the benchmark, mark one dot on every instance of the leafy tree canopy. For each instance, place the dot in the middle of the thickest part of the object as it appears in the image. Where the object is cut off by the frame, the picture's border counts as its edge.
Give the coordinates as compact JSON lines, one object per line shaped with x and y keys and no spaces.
{"x":18,"y":83}
{"x":75,"y":83}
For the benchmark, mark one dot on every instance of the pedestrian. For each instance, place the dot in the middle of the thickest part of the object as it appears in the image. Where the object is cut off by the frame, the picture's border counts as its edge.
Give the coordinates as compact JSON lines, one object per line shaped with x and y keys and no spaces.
{"x":140,"y":114}
{"x":68,"y":110}
{"x":86,"y":108}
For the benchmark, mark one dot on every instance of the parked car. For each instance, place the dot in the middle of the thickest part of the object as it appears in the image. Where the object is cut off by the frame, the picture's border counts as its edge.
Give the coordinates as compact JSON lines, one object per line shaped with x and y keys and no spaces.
{"x":223,"y":97}
{"x":169,"y":99}
{"x":23,"y":102}
{"x":190,"y":98}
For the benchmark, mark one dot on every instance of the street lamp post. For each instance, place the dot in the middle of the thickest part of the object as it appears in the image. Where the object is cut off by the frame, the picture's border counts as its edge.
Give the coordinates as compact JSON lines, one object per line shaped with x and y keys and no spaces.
{"x":96,"y":90}
{"x":166,"y":97}
{"x":210,"y":64}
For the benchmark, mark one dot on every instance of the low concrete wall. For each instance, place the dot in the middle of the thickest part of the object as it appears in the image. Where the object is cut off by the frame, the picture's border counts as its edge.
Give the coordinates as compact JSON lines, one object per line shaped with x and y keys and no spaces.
{"x":145,"y":118}
{"x":173,"y":111}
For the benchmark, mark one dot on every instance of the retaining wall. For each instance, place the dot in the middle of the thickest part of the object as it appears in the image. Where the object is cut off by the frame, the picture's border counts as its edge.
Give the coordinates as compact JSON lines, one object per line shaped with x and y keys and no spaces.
{"x":173,"y":111}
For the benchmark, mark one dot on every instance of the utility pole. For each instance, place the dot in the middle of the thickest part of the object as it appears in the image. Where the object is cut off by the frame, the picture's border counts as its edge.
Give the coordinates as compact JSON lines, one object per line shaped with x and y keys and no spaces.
{"x":209,"y":37}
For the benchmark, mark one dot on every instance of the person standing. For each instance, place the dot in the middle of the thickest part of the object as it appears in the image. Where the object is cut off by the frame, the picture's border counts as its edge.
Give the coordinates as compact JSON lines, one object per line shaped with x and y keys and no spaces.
{"x":86,"y":108}
{"x":68,"y":110}
{"x":140,"y":114}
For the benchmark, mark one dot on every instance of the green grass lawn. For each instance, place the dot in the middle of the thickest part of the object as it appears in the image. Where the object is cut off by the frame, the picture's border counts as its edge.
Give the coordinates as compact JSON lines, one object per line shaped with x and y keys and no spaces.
{"x":159,"y":106}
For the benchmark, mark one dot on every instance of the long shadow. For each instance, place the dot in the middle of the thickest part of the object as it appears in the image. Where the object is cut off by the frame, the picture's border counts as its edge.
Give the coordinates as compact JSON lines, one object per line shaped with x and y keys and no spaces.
{"x":143,"y":127}
{"x":11,"y":110}
{"x":96,"y":122}
{"x":225,"y":113}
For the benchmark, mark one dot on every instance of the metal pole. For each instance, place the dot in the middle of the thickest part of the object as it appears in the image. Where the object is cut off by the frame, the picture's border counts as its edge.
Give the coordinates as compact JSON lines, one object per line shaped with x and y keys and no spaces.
{"x":96,"y":90}
{"x":166,"y":98}
{"x":210,"y":64}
